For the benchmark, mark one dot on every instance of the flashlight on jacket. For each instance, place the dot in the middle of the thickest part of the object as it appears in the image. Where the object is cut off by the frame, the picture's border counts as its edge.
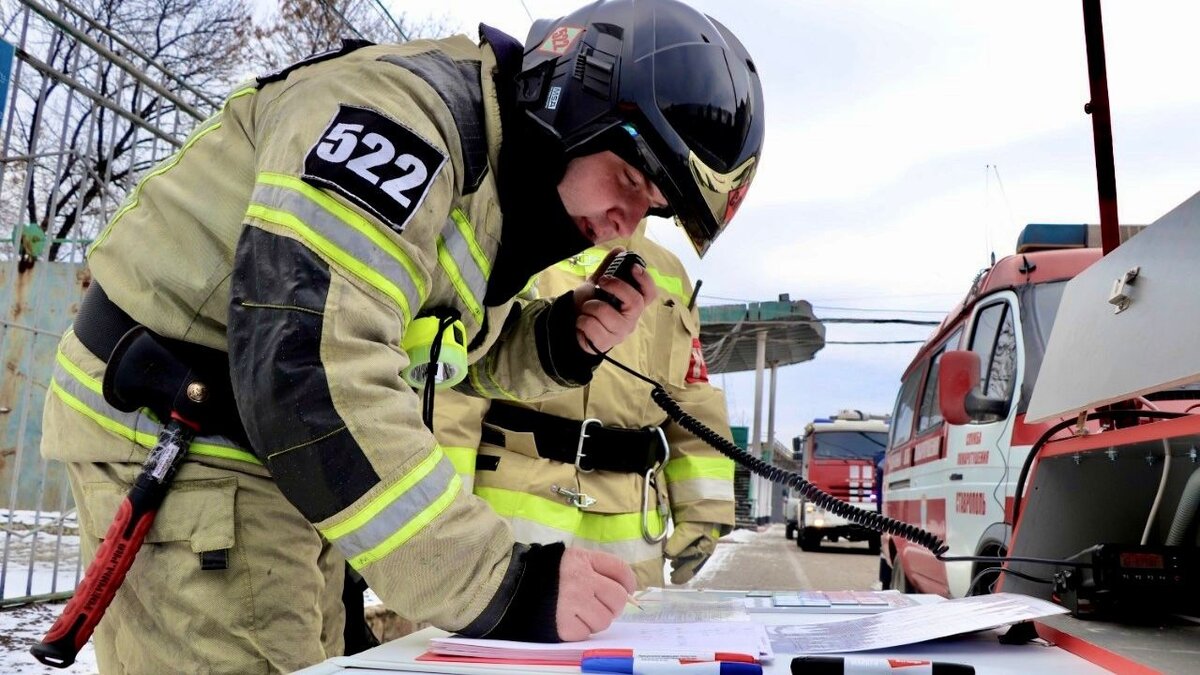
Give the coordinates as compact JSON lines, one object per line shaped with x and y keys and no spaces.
{"x":418,"y":342}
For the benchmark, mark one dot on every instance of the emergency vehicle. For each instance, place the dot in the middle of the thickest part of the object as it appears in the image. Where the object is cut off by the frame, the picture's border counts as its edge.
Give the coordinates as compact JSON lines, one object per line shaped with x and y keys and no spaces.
{"x":958,"y":481}
{"x":839,"y":455}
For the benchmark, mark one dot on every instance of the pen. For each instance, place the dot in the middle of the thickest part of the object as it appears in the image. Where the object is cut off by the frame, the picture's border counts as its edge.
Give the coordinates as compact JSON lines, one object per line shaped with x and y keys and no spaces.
{"x":869,"y":665}
{"x":663,"y":665}
{"x":633,"y":601}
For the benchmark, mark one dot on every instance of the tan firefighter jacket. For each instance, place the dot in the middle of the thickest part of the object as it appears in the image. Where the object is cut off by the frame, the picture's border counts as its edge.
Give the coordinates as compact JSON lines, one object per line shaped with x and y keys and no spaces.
{"x":544,"y":499}
{"x":301,"y":228}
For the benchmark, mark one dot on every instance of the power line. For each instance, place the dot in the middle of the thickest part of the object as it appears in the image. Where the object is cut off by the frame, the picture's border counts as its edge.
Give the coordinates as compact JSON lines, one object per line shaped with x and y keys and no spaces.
{"x":881,"y":309}
{"x":907,"y":322}
{"x":523,"y":5}
{"x":395,"y":23}
{"x":875,"y":342}
{"x":329,"y":7}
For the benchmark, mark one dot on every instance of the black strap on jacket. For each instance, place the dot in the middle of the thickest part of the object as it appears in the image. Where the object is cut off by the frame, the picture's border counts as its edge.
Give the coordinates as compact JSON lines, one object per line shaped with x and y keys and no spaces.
{"x":100,"y":324}
{"x":604,"y":448}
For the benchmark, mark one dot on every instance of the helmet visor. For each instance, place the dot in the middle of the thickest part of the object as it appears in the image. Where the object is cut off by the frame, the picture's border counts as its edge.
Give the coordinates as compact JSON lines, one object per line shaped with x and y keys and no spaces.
{"x":704,"y":205}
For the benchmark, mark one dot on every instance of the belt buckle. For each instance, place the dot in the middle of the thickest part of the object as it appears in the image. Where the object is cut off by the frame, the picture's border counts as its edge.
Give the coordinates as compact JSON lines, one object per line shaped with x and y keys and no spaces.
{"x":579,"y":454}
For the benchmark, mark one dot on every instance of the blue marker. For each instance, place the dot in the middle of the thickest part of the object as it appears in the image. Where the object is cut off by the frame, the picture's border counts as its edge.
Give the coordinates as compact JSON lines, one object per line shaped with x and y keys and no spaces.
{"x":662,"y":665}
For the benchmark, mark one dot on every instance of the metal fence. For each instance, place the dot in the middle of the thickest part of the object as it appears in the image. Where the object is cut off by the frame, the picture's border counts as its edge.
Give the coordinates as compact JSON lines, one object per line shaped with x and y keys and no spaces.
{"x":86,"y":113}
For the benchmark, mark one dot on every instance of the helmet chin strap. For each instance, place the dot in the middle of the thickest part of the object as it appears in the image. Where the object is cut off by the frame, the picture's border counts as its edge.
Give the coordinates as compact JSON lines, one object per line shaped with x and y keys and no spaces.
{"x":538,"y":231}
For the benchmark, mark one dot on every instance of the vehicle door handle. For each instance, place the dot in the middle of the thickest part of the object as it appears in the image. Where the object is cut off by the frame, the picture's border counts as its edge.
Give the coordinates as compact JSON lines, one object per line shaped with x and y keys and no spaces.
{"x":956,"y":476}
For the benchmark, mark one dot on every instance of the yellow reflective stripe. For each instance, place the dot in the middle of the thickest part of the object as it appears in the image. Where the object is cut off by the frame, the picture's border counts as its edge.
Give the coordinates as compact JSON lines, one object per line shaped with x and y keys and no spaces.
{"x":495,"y":387}
{"x":108,"y":424}
{"x":463,"y":459}
{"x":385,"y":498}
{"x":411,"y":528}
{"x":468,"y":235}
{"x":456,"y":279}
{"x":142,"y":438}
{"x":359,"y":224}
{"x":77,"y":373}
{"x":147,"y":440}
{"x":688,"y":468}
{"x":668,"y":283}
{"x":597,"y":527}
{"x":585,"y":263}
{"x":169,"y":164}
{"x":337,"y":255}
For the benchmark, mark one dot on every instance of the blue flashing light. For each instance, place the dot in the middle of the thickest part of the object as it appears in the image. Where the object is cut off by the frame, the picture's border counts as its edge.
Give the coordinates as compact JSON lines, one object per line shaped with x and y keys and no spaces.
{"x":1051,"y":236}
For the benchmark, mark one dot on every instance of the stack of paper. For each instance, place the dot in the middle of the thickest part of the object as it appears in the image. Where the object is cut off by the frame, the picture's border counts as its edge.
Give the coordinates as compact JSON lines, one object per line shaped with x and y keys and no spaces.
{"x":910,"y":625}
{"x":667,"y":639}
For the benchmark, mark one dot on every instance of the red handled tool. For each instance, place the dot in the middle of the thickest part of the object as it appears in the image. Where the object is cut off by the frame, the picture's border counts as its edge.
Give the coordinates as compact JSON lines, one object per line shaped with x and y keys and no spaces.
{"x":121,"y":544}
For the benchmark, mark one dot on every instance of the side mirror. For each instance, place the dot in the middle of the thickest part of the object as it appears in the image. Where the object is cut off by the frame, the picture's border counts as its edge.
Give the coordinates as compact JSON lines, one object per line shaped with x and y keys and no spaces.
{"x":958,"y":398}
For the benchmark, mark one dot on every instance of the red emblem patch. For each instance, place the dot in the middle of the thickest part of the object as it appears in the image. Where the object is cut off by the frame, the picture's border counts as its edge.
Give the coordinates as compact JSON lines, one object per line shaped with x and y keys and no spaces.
{"x":560,"y":40}
{"x":697,"y":368}
{"x":735,"y":200}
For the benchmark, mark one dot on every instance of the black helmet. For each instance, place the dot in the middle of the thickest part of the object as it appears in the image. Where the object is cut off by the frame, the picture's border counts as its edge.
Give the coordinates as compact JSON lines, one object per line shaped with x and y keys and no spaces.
{"x":660,"y":84}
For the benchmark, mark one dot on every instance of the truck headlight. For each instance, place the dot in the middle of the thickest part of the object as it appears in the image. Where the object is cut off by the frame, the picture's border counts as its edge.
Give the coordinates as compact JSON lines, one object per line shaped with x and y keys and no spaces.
{"x":810,"y":507}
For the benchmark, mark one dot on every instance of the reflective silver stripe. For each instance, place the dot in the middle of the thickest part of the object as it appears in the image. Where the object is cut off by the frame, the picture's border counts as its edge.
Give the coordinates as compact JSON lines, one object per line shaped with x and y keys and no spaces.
{"x":696,"y":489}
{"x":395,"y":515}
{"x":460,"y":249}
{"x":137,"y":426}
{"x":464,"y":263}
{"x":629,"y":550}
{"x":342,"y":235}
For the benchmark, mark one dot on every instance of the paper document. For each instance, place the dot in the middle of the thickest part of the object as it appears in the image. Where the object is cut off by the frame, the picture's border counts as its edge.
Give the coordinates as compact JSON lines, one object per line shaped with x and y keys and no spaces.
{"x":670,"y":639}
{"x":714,"y":605}
{"x":831,"y":602}
{"x":909,"y":625}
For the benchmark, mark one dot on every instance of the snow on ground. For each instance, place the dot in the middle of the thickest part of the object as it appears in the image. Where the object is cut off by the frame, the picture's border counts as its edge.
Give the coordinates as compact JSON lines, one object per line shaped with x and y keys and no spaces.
{"x":38,"y":555}
{"x":29,"y":545}
{"x":722,"y":557}
{"x":20,"y":627}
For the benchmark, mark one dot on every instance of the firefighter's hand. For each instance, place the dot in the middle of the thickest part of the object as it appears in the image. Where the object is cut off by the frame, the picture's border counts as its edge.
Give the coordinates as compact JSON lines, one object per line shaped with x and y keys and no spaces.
{"x":690,"y":546}
{"x":598,"y":322}
{"x":593,"y":588}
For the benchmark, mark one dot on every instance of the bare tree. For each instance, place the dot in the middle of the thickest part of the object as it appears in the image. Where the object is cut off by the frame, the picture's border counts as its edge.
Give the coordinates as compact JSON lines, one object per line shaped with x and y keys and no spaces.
{"x":106,"y":89}
{"x":300,"y":28}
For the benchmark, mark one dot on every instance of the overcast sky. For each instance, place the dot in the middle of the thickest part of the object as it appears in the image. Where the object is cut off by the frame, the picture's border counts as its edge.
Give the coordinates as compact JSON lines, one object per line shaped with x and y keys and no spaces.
{"x":883,"y":119}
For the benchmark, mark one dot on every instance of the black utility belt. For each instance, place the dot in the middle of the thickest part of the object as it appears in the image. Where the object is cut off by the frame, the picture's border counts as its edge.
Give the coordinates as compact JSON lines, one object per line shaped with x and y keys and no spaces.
{"x":587,"y":444}
{"x":158,"y":369}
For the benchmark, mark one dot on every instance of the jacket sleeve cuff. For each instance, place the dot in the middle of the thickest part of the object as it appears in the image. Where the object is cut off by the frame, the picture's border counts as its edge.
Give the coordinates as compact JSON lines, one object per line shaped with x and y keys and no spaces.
{"x":525,"y":607}
{"x":558,"y":348}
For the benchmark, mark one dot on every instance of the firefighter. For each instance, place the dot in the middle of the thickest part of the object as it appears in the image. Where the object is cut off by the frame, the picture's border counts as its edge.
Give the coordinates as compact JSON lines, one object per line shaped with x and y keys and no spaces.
{"x":307,"y":229}
{"x":602,"y":467}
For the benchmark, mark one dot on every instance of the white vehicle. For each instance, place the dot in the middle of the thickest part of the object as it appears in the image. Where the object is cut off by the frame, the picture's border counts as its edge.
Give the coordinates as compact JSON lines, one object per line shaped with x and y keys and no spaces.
{"x":839,"y":455}
{"x":958,"y":481}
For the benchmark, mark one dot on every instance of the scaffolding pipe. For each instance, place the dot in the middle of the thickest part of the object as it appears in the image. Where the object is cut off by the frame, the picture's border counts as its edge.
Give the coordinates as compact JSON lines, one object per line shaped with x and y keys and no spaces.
{"x":107,"y":53}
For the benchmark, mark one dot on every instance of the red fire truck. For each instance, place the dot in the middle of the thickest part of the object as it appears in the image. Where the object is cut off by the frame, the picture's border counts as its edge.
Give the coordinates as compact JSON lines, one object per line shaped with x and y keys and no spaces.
{"x":840,"y":455}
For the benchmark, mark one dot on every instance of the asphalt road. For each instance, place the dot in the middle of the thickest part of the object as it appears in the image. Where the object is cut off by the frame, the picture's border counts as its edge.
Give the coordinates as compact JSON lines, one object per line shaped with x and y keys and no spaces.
{"x":747,"y":560}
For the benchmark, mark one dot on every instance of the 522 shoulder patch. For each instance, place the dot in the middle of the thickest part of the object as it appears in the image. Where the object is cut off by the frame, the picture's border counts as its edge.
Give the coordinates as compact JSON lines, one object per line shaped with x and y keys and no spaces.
{"x":375,"y":162}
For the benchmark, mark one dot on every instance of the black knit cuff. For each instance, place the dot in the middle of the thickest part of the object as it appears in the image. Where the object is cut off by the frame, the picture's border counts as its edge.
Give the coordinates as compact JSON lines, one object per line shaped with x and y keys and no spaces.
{"x":532,"y":611}
{"x":558,"y":347}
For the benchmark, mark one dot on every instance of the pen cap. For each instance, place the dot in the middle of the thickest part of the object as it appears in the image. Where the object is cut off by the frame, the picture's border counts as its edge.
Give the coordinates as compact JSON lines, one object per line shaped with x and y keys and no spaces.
{"x":862,"y":665}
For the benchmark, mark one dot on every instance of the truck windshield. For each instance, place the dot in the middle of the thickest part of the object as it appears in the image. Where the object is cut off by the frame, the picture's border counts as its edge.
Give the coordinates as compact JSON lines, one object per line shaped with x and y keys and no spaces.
{"x":849,"y":444}
{"x":1046,"y":298}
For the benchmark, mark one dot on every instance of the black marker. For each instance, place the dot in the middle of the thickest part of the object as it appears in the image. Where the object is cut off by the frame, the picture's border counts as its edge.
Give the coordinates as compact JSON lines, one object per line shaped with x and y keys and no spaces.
{"x":864,"y":665}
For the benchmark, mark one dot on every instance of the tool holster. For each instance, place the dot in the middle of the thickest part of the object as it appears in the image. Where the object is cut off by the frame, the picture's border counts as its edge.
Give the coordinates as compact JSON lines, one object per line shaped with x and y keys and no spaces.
{"x":146,"y":370}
